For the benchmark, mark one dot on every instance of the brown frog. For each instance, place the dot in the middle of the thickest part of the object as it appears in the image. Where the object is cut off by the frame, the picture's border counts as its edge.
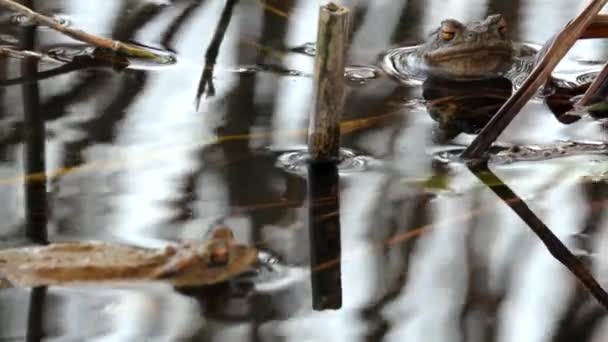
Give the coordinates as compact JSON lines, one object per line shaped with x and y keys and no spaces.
{"x":474,"y":50}
{"x":188,"y":264}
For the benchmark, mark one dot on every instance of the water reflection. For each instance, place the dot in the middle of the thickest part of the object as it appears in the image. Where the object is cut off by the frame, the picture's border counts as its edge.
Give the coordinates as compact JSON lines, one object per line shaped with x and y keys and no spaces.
{"x":429,"y":253}
{"x":324,"y":230}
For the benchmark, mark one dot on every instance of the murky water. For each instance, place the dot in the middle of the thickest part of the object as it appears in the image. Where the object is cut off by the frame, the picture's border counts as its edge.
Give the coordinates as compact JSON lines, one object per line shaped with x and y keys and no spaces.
{"x":150,"y":154}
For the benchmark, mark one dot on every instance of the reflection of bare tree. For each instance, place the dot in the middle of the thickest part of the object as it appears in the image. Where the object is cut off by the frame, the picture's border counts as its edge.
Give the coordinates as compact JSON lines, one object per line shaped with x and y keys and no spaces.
{"x":478,"y":318}
{"x":409,"y":27}
{"x":551,"y":242}
{"x":509,"y":10}
{"x":583,"y":315}
{"x":406,"y":215}
{"x":250,"y":177}
{"x":205,"y":84}
{"x":101,"y":128}
{"x":169,"y":36}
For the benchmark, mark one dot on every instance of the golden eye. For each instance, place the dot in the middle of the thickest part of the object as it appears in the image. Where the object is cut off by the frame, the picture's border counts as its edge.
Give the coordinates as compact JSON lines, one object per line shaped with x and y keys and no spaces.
{"x":218,"y":255}
{"x":448,"y":29}
{"x":502,"y":26}
{"x":447,"y":35}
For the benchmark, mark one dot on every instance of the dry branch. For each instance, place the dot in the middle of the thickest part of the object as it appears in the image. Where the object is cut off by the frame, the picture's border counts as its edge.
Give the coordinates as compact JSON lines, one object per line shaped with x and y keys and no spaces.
{"x":101,"y":42}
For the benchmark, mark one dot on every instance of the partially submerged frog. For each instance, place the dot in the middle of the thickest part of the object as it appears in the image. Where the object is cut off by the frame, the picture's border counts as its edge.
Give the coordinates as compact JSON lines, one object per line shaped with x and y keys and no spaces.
{"x":475,"y":50}
{"x":188,"y":264}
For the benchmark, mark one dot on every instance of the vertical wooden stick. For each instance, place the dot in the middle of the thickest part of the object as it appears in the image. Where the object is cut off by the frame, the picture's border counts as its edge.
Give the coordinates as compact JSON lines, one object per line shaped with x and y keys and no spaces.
{"x":332,"y":41}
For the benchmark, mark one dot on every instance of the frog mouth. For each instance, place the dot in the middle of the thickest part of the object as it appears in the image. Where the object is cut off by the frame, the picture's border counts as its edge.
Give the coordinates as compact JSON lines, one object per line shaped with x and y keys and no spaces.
{"x":502,"y":49}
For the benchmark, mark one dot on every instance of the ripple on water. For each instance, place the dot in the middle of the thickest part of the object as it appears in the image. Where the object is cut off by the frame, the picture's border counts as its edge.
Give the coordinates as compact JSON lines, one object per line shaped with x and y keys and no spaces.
{"x":403,"y":64}
{"x":309,"y":49}
{"x":586,"y":77}
{"x":360,"y":74}
{"x":297,"y":161}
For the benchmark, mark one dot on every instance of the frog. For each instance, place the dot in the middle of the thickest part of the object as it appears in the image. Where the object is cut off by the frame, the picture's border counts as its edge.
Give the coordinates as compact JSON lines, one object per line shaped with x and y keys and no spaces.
{"x":475,"y":50}
{"x":183,"y":265}
{"x":479,"y":49}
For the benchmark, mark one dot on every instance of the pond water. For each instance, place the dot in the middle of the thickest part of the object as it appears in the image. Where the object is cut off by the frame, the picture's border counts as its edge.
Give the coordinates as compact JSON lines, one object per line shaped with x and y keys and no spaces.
{"x":429,"y":252}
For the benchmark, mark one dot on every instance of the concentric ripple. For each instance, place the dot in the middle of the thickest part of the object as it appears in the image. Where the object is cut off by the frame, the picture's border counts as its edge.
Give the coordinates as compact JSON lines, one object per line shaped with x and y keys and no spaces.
{"x":404,"y":65}
{"x":360,"y":74}
{"x":297,"y":161}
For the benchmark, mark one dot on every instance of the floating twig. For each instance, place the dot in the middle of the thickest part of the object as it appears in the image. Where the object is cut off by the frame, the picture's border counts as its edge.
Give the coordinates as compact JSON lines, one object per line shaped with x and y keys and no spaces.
{"x":557,"y":50}
{"x":22,"y":54}
{"x":551,"y":242}
{"x":101,"y":42}
{"x":332,"y":41}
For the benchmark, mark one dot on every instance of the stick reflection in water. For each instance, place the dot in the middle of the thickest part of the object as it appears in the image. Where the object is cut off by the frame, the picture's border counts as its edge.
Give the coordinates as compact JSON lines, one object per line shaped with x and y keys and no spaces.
{"x":324,"y":231}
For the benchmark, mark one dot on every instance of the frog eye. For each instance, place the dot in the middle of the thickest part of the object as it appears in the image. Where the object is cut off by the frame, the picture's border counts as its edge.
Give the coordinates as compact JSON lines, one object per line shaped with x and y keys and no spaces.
{"x":448,"y":30}
{"x":447,"y":35}
{"x":218,"y":255}
{"x":502,"y":27}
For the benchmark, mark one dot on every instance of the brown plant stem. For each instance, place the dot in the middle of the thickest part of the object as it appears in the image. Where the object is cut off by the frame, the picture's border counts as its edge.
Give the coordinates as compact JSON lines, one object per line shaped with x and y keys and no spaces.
{"x":101,"y":42}
{"x":596,"y":86}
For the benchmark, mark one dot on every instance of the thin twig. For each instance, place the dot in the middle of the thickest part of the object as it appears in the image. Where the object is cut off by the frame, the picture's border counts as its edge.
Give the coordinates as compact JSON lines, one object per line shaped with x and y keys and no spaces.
{"x":101,"y":42}
{"x":558,"y":49}
{"x":22,"y":54}
{"x":594,"y":89}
